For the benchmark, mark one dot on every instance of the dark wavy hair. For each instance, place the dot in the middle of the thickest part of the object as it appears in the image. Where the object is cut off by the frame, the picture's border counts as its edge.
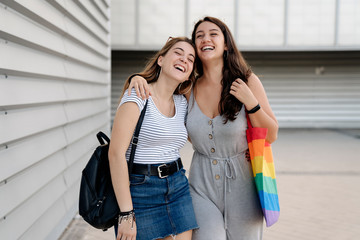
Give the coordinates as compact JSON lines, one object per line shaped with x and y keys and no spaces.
{"x":152,"y":69}
{"x":235,"y":66}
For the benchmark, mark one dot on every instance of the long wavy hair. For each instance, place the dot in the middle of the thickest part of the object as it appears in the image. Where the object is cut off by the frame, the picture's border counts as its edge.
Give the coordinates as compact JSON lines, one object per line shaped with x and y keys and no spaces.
{"x":235,"y":66}
{"x":152,"y":69}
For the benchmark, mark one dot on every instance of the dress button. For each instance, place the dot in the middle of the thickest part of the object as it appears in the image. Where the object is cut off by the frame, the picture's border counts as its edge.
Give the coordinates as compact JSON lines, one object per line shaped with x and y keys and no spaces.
{"x":210,"y":136}
{"x":217,"y":176}
{"x":212,"y":150}
{"x":214,"y":162}
{"x":210,"y":122}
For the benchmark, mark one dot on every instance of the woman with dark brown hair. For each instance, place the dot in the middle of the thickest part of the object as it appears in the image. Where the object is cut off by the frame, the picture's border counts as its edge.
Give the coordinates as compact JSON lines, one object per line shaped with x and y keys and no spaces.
{"x":157,"y":205}
{"x":221,"y":181}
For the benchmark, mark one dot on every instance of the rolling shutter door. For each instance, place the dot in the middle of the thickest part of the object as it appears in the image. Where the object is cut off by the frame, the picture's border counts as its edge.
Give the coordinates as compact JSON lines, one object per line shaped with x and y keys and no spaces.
{"x":124,"y":63}
{"x":305,"y":89}
{"x":311,"y":90}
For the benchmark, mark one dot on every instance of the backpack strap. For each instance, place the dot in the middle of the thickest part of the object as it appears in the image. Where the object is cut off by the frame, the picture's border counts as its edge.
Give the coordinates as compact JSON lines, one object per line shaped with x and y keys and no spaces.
{"x":135,"y":138}
{"x":101,"y":137}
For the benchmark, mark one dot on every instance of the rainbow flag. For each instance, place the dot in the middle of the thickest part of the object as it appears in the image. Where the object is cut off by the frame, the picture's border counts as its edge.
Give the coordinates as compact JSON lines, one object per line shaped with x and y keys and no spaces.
{"x":264,"y":173}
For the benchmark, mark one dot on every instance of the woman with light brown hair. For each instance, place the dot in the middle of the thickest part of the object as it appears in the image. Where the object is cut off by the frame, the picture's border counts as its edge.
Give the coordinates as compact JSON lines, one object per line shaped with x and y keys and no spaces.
{"x":157,"y":205}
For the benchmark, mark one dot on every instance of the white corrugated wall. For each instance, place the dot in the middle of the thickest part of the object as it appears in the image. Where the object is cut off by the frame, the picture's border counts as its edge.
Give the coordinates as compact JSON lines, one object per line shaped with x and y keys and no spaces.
{"x":54,"y":96}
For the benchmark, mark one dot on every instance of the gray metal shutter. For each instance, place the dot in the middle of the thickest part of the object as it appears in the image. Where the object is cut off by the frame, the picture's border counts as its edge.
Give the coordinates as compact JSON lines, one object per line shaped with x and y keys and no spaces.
{"x":311,"y":90}
{"x":124,"y":63}
{"x":305,"y":89}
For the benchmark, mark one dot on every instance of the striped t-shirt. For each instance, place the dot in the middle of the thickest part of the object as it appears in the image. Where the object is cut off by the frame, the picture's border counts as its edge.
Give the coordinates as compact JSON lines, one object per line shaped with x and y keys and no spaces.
{"x":160,"y":137}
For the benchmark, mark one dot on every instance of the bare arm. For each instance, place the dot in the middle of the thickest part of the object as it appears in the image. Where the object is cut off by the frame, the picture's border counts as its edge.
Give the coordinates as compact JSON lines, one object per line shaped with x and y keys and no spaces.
{"x":252,"y":94}
{"x":187,"y":96}
{"x":123,"y":128}
{"x":141,"y":87}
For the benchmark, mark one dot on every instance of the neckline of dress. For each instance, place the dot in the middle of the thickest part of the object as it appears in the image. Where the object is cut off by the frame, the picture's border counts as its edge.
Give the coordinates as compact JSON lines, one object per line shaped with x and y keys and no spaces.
{"x":193,"y":96}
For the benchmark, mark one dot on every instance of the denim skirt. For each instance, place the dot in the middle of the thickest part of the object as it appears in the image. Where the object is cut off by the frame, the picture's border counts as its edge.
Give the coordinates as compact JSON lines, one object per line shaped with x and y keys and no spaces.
{"x":163,"y":206}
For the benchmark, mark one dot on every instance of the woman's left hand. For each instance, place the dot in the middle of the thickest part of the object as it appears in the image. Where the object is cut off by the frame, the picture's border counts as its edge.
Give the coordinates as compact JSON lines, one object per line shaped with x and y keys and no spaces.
{"x":242,"y":92}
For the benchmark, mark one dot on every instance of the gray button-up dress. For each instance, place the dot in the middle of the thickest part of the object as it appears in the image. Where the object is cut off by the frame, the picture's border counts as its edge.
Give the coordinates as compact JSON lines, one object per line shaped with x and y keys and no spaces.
{"x":221,"y":181}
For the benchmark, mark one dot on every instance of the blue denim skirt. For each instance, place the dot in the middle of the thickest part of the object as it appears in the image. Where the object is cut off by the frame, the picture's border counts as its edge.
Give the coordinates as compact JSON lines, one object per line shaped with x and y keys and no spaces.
{"x":163,"y":206}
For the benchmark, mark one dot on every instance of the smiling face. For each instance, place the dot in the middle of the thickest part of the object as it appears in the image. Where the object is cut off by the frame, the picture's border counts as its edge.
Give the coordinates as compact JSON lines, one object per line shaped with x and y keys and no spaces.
{"x":178,"y":62}
{"x":209,"y":41}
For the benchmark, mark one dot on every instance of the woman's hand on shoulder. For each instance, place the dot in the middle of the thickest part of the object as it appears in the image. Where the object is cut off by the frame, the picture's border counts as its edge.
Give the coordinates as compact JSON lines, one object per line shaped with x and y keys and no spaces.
{"x":141,"y":87}
{"x":250,"y":95}
{"x":268,"y":119}
{"x":258,"y":91}
{"x":243,"y":93}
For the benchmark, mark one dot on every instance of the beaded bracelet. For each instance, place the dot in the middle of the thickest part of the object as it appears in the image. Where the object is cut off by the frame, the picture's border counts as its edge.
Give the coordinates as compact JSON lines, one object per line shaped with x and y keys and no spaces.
{"x":254,"y":109}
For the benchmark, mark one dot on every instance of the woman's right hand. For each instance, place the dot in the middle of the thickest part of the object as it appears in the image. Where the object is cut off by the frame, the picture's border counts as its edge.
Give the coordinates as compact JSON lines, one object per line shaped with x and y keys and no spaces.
{"x":141,"y":87}
{"x":126,"y":230}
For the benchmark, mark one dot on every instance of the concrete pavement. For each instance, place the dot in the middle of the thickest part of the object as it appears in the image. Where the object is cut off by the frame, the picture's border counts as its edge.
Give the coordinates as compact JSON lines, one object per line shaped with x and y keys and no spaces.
{"x":318,"y":177}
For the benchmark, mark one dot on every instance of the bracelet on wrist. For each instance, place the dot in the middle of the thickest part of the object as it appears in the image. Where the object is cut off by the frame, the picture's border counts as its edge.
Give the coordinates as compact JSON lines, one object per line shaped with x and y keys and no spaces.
{"x":254,"y":109}
{"x":126,"y":213}
{"x":127,"y":216}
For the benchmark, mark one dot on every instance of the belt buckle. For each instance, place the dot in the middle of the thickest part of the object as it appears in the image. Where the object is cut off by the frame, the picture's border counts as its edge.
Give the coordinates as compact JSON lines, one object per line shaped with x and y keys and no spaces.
{"x":159,"y":171}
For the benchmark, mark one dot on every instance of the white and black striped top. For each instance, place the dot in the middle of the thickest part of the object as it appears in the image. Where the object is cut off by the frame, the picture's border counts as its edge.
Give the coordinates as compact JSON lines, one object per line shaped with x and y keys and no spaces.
{"x":160,"y":137}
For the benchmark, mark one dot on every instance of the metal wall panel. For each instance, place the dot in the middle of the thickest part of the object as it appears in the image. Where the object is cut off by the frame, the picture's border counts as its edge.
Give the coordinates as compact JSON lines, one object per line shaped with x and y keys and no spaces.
{"x":123,"y":17}
{"x":54,"y":97}
{"x":153,"y":30}
{"x":224,"y":10}
{"x":264,"y":25}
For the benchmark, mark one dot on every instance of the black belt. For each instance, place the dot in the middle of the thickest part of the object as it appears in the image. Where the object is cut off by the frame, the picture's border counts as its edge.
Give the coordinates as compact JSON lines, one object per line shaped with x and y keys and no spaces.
{"x":162,"y":170}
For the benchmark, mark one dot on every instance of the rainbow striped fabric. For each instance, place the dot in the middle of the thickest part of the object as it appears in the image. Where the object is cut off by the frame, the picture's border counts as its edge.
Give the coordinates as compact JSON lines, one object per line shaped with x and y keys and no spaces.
{"x":264,"y":172}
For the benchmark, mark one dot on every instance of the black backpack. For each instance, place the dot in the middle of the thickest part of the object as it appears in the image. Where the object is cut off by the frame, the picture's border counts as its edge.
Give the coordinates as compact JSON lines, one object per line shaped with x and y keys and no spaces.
{"x":97,"y":200}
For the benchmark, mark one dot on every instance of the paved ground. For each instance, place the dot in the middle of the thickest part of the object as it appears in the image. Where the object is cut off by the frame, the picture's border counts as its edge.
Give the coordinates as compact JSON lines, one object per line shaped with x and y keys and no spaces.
{"x":318,"y":177}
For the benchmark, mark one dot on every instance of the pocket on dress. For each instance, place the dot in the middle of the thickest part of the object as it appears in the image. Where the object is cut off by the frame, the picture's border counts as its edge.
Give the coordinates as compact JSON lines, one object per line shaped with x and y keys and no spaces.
{"x":245,"y":168}
{"x":136,"y":179}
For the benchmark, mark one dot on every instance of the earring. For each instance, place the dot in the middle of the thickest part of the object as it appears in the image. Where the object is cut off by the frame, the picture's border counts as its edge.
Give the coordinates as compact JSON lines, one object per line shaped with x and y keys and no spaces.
{"x":179,"y":88}
{"x":157,"y":74}
{"x":225,"y":55}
